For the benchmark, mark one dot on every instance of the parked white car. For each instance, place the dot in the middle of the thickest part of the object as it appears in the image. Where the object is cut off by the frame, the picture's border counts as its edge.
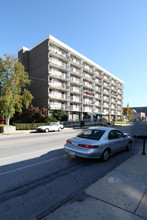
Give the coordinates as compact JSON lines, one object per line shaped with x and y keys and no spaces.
{"x":54,"y":126}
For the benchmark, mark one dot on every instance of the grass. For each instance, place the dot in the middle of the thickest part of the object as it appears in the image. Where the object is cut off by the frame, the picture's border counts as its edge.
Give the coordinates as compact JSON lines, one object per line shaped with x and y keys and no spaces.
{"x":3,"y":125}
{"x":123,"y":123}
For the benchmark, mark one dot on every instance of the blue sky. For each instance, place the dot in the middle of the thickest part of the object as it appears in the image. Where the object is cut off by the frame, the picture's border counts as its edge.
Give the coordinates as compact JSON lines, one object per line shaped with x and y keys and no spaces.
{"x":112,"y":33}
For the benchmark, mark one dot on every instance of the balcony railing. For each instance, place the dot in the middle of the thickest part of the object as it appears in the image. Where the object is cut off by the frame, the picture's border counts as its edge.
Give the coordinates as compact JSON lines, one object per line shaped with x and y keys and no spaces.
{"x":75,"y":99}
{"x":74,"y":89}
{"x":55,"y":106}
{"x":76,"y":61}
{"x":75,"y":70}
{"x":86,"y":109}
{"x":58,"y":62}
{"x":74,"y":108}
{"x":58,"y":51}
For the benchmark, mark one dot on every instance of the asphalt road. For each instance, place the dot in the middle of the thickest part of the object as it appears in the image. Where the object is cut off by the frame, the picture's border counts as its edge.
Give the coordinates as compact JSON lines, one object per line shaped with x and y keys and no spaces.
{"x":37,"y":176}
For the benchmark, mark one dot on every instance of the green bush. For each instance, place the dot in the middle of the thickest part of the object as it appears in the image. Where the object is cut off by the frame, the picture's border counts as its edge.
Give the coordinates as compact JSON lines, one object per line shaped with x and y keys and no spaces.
{"x":50,"y":119}
{"x":61,"y":115}
{"x":27,"y":126}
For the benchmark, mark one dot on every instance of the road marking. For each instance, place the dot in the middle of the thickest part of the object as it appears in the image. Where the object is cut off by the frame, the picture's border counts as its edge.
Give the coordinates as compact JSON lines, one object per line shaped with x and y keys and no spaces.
{"x":32,"y":165}
{"x":30,"y":139}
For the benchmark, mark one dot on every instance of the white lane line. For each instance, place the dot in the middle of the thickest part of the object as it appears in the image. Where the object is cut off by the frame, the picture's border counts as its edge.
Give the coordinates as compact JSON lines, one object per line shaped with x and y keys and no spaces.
{"x":32,"y":165}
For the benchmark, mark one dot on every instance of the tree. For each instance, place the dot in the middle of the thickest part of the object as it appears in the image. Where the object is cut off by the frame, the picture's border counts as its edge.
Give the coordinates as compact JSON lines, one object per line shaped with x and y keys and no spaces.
{"x":34,"y":114}
{"x":61,"y":115}
{"x":13,"y":92}
{"x":127,"y":112}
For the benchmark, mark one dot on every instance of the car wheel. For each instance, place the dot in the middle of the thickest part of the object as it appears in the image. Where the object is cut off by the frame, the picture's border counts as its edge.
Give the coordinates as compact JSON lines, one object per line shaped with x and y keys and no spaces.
{"x":46,"y":130}
{"x":105,"y":155}
{"x":59,"y":129}
{"x":129,"y":146}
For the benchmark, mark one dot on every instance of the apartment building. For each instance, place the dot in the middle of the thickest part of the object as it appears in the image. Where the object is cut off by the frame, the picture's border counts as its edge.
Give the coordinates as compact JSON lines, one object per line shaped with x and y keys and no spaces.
{"x":63,"y":78}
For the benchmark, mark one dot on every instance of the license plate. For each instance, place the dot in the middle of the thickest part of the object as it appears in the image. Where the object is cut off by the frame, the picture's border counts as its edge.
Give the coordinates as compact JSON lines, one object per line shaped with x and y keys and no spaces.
{"x":72,"y":153}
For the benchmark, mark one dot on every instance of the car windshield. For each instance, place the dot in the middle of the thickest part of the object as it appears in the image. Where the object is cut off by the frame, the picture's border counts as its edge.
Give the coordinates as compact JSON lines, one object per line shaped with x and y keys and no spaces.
{"x":54,"y":123}
{"x":91,"y":134}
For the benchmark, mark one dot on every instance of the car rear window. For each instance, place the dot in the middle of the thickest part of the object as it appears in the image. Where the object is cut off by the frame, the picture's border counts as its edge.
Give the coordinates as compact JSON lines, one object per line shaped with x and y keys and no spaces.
{"x":91,"y":134}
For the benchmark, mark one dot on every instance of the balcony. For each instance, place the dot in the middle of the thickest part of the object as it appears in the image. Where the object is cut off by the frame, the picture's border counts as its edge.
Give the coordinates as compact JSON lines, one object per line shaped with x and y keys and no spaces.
{"x":98,"y":82}
{"x":74,"y":108}
{"x":75,"y":80}
{"x":97,"y":109}
{"x":58,"y":86}
{"x":113,"y":88}
{"x":119,"y":97}
{"x":88,"y":76}
{"x":58,"y":53}
{"x":119,"y":113}
{"x":106,"y":85}
{"x":120,"y":91}
{"x":55,"y":107}
{"x":87,"y":67}
{"x":87,"y":84}
{"x":88,"y":100}
{"x":106,"y":78}
{"x":106,"y":111}
{"x":75,"y":90}
{"x":106,"y":92}
{"x":97,"y":103}
{"x":87,"y":109}
{"x":75,"y":99}
{"x":58,"y":96}
{"x":120,"y":86}
{"x":106,"y":100}
{"x":106,"y":105}
{"x":113,"y":112}
{"x":75,"y":71}
{"x":64,"y":106}
{"x":75,"y":61}
{"x":55,"y":96}
{"x":113,"y":82}
{"x":58,"y":64}
{"x":98,"y":97}
{"x":98,"y":74}
{"x":114,"y":94}
{"x":59,"y":75}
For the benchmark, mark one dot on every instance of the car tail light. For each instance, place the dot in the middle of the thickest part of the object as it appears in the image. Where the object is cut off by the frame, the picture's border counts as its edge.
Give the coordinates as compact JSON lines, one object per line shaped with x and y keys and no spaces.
{"x":88,"y":146}
{"x":68,"y":142}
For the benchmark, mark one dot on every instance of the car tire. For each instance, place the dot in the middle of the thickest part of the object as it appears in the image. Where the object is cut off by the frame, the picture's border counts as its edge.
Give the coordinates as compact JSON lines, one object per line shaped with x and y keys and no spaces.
{"x":105,"y":155}
{"x":129,"y":146}
{"x":59,"y":129}
{"x":46,"y":130}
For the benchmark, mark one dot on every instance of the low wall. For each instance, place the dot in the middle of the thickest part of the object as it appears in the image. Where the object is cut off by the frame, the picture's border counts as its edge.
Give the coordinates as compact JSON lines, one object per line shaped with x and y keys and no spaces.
{"x":7,"y":129}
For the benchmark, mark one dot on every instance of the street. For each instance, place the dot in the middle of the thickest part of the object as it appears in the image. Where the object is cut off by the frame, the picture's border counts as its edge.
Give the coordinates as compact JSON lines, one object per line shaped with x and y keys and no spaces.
{"x":37,"y":176}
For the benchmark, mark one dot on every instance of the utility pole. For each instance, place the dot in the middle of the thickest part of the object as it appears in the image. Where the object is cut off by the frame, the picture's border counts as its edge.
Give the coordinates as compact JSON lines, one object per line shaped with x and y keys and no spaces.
{"x":127,"y":111}
{"x":81,"y":115}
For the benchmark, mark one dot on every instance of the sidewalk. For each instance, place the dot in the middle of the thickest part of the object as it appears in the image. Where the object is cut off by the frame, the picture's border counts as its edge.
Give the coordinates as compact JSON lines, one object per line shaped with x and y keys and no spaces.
{"x":24,"y":132}
{"x":121,"y":194}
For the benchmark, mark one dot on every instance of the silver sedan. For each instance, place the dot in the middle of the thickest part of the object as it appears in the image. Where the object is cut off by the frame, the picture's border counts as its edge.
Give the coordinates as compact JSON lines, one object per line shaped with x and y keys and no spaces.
{"x":100,"y":142}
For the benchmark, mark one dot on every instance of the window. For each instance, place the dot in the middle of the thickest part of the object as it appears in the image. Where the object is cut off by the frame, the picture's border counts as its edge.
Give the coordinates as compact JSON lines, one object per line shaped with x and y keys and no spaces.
{"x":119,"y":134}
{"x":115,"y":134}
{"x":91,"y":134}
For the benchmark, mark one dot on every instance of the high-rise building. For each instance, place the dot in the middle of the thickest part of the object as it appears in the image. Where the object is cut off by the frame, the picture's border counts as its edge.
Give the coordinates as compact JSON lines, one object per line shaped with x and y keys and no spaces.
{"x":63,"y":78}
